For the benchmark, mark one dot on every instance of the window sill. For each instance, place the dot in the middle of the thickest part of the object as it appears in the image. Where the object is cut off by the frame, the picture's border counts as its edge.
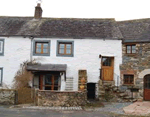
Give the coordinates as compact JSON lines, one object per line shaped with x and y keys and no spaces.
{"x":60,"y":55}
{"x":41,"y":54}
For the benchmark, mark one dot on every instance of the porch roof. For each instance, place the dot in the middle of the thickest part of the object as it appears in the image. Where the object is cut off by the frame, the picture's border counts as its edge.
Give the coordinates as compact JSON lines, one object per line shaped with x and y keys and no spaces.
{"x":47,"y":67}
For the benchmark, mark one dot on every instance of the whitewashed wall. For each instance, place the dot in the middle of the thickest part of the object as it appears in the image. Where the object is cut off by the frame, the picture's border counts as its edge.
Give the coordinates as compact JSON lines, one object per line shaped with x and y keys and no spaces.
{"x":16,"y":50}
{"x":86,"y":56}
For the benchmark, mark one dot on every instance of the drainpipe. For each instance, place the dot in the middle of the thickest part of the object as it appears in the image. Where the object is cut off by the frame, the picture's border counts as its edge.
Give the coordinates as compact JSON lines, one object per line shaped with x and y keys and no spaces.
{"x":31,"y":56}
{"x":31,"y":47}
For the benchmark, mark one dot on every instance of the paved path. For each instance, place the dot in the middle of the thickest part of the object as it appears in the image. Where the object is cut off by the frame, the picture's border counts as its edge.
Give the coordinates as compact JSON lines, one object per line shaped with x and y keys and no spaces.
{"x":21,"y":112}
{"x":138,"y":108}
{"x":112,"y":107}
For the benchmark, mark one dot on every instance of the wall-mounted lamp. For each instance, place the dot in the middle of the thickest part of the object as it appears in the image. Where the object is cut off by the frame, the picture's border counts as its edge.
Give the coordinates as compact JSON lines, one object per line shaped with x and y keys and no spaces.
{"x":100,"y":55}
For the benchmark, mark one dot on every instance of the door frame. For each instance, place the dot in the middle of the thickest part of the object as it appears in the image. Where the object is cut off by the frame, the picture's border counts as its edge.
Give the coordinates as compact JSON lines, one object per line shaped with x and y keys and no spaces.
{"x":144,"y":88}
{"x":113,"y":58}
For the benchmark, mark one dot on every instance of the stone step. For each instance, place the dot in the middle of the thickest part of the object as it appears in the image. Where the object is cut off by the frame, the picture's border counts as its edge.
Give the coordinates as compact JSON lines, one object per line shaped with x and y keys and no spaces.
{"x":69,"y":81}
{"x":69,"y":86}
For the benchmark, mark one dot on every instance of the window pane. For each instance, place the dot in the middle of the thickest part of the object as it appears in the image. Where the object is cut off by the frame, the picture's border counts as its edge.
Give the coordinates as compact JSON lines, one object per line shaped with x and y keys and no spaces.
{"x":38,"y":45}
{"x":68,"y":51}
{"x":128,"y":49}
{"x":56,"y":78}
{"x":128,"y":79}
{"x":68,"y":46}
{"x":45,"y":50}
{"x":45,"y":45}
{"x":133,"y":49}
{"x":61,"y":45}
{"x":61,"y":51}
{"x":106,"y":61}
{"x":38,"y":50}
{"x":48,"y":80}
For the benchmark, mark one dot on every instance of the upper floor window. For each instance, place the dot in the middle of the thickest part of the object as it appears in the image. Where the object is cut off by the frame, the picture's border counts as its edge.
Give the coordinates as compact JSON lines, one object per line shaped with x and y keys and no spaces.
{"x":1,"y":47}
{"x":128,"y":79}
{"x":65,"y":48}
{"x":41,"y":47}
{"x":1,"y":75}
{"x":131,"y":49}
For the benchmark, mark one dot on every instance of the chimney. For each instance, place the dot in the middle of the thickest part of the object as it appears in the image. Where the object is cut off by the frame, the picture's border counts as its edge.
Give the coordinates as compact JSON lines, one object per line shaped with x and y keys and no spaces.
{"x":38,"y":11}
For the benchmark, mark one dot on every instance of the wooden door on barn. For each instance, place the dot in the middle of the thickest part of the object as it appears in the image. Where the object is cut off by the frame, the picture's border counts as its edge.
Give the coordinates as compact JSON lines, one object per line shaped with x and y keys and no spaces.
{"x":147,"y":87}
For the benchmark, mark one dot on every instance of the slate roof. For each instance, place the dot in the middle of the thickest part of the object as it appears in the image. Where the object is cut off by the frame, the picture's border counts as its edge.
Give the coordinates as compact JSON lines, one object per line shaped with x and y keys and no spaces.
{"x":47,"y":67}
{"x":59,"y":27}
{"x":135,"y":30}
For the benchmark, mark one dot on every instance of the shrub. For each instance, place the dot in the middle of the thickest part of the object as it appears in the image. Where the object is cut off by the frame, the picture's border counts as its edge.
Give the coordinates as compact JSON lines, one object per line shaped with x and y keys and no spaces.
{"x":23,"y":77}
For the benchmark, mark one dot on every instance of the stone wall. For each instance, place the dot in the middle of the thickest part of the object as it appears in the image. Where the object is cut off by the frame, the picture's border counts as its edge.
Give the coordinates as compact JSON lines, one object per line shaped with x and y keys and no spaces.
{"x":57,"y":98}
{"x":8,"y":96}
{"x":135,"y":64}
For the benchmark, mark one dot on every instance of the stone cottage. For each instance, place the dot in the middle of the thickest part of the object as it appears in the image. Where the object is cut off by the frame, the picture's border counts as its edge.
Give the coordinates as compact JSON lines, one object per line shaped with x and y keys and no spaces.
{"x":135,"y":69}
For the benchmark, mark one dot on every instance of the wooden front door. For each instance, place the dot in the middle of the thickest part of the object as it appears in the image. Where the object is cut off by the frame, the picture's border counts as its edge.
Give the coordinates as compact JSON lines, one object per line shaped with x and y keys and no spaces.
{"x":107,"y":68}
{"x":147,"y":87}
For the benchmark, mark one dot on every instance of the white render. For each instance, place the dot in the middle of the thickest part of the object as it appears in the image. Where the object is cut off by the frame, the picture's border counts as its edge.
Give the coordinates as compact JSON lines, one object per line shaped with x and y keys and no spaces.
{"x":16,"y":50}
{"x":86,"y":56}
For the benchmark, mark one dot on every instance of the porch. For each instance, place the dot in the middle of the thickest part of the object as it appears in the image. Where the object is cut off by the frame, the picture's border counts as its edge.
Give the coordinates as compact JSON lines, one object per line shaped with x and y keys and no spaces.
{"x":48,"y":76}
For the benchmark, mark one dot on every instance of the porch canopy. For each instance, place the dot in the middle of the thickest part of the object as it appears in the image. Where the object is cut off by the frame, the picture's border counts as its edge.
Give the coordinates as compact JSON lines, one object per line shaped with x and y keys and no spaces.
{"x":47,"y":67}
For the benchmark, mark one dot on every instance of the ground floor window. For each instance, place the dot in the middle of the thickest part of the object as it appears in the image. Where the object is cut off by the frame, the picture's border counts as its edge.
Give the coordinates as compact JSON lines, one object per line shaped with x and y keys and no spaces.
{"x":52,"y":82}
{"x":128,"y":79}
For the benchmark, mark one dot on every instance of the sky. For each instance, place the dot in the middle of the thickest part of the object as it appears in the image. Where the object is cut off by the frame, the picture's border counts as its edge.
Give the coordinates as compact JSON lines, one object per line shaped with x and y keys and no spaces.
{"x":118,"y":9}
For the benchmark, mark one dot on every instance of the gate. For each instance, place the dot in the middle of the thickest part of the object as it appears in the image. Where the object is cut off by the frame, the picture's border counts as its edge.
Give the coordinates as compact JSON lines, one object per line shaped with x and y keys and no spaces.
{"x":26,"y":95}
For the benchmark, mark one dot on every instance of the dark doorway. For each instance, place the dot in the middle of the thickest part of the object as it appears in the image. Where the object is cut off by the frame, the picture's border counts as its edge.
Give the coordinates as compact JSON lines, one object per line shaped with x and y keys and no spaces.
{"x":91,"y":90}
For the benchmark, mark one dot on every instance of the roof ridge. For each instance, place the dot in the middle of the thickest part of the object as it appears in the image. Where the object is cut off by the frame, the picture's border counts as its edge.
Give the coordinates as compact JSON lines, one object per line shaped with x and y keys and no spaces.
{"x":133,"y":20}
{"x":59,"y":18}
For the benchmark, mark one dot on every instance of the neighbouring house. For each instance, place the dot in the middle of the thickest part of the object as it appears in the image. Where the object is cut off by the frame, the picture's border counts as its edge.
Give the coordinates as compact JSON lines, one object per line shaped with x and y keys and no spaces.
{"x":73,"y":53}
{"x":135,"y":69}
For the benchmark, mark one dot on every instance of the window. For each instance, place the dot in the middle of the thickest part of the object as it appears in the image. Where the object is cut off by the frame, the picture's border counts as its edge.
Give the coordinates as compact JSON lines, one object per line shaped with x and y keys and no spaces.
{"x":1,"y":47}
{"x":106,"y":61}
{"x":128,"y":79}
{"x":65,"y":48}
{"x":130,"y":49}
{"x":52,"y":82}
{"x":1,"y":75}
{"x":41,"y":47}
